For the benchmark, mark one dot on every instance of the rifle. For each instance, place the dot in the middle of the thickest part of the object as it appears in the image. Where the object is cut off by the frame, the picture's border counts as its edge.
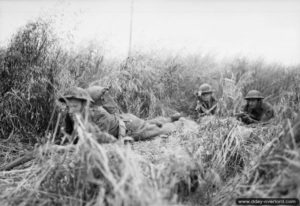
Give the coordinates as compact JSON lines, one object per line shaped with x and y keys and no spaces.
{"x":240,"y":114}
{"x":246,"y":115}
{"x":19,"y":161}
{"x":206,"y":111}
{"x":212,"y":108}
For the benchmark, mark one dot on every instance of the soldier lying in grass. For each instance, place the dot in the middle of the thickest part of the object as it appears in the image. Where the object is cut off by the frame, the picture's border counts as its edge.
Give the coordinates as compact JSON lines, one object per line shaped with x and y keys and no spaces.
{"x":109,"y":117}
{"x":77,"y":101}
{"x":255,"y":110}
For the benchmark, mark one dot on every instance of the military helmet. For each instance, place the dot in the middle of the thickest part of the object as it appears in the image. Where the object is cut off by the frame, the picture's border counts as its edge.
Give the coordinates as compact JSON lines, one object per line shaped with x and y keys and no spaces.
{"x":75,"y":93}
{"x":254,"y":94}
{"x":96,"y":92}
{"x":205,"y":88}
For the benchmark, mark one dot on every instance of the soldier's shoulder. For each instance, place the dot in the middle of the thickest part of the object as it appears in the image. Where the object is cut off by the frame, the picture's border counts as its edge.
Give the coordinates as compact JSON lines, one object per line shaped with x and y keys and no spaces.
{"x":267,"y":106}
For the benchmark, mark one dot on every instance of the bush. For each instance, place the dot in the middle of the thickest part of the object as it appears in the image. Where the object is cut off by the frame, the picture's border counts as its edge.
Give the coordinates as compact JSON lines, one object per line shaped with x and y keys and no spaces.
{"x":27,"y":81}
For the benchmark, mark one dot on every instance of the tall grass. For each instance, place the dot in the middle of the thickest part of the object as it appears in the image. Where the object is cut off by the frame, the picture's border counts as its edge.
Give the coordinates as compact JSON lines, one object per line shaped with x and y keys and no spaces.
{"x":83,"y":174}
{"x":211,"y":164}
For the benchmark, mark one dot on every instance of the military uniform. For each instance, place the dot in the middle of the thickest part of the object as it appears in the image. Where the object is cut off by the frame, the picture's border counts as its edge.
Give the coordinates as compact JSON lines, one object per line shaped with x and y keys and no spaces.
{"x":263,"y":112}
{"x":140,"y":129}
{"x":202,"y":106}
{"x":100,"y":131}
{"x":102,"y":98}
{"x":134,"y":127}
{"x":105,"y":121}
{"x":122,"y":124}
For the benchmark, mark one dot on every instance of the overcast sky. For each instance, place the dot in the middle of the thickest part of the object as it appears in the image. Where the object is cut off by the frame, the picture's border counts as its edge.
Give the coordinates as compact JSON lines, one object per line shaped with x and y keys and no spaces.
{"x":227,"y":28}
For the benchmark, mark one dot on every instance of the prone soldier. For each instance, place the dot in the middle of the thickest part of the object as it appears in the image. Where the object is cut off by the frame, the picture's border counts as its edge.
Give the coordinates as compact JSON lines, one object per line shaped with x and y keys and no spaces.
{"x":77,"y":102}
{"x":256,"y":110}
{"x":125,"y":124}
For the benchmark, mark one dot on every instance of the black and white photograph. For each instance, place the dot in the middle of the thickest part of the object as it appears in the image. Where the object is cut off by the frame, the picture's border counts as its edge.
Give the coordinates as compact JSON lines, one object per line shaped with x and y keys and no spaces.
{"x":149,"y":102}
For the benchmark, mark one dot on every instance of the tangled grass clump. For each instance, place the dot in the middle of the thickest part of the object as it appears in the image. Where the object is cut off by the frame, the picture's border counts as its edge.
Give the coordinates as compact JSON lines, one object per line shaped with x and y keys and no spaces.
{"x":27,"y":83}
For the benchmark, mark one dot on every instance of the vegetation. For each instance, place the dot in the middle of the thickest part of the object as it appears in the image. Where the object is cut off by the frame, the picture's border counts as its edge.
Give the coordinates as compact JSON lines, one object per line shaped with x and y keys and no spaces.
{"x":214,"y":164}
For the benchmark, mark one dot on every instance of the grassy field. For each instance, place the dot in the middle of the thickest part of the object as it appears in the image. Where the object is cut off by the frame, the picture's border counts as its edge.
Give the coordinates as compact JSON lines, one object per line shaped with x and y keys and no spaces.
{"x":211,"y":162}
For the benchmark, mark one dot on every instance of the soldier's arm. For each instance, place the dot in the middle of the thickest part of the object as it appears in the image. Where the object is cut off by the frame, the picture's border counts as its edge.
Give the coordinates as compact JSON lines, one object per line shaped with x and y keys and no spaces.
{"x":101,"y":136}
{"x":201,"y":109}
{"x":268,"y":114}
{"x":248,"y":116}
{"x":244,"y":116}
{"x":99,"y":116}
{"x":251,"y":119}
{"x":214,"y":107}
{"x":110,"y":105}
{"x":206,"y":111}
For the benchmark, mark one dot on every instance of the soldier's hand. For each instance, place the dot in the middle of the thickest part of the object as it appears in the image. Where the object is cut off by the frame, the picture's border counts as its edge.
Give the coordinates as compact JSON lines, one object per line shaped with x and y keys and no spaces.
{"x":246,"y":118}
{"x":250,"y":119}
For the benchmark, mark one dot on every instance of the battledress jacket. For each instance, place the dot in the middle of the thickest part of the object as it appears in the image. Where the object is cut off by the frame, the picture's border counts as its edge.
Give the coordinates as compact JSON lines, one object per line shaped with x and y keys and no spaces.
{"x":262,"y":113}
{"x":110,"y":119}
{"x":102,"y":126}
{"x":108,"y":103}
{"x":205,"y":104}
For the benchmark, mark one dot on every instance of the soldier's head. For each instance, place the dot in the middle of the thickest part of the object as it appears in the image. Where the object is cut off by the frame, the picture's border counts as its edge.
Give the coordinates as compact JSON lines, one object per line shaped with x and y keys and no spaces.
{"x":254,"y":99}
{"x":205,"y":92}
{"x":76,"y":99}
{"x":96,"y":93}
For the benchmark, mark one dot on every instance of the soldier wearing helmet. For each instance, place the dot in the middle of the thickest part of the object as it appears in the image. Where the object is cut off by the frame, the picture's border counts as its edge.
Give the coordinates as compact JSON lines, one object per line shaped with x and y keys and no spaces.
{"x":106,"y":112}
{"x":256,"y":110}
{"x":75,"y":99}
{"x":206,"y":103}
{"x":77,"y":102}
